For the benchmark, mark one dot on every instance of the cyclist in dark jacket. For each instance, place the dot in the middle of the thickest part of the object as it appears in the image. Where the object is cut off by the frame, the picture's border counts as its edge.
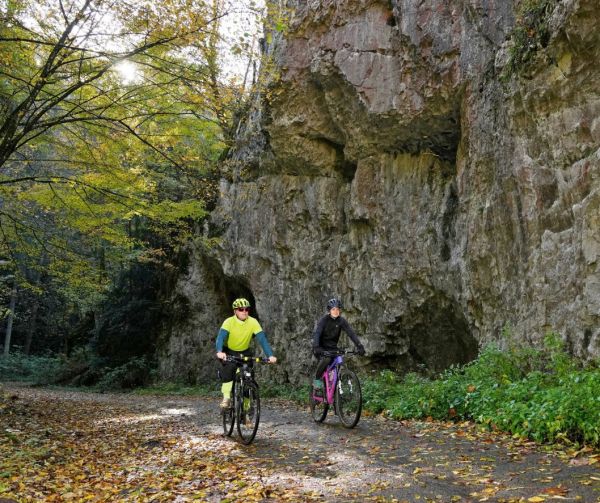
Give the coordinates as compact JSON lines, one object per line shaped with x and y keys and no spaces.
{"x":326,"y":337}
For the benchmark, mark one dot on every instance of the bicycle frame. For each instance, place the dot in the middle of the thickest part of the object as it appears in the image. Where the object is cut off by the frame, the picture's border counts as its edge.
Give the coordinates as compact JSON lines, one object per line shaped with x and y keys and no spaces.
{"x":341,"y":389}
{"x":330,"y":384}
{"x":246,"y":371}
{"x":243,"y":366}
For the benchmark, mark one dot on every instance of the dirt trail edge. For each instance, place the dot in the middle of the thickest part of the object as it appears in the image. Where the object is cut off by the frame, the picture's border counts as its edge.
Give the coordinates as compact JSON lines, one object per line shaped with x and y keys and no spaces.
{"x":58,"y":445}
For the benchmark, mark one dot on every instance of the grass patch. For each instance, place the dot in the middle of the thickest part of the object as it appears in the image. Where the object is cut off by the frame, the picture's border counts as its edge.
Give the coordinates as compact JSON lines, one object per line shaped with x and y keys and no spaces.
{"x":298,"y":394}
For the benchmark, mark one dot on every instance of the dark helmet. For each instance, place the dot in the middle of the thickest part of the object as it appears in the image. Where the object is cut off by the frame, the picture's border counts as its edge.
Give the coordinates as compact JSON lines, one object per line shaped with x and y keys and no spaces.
{"x":331,"y":303}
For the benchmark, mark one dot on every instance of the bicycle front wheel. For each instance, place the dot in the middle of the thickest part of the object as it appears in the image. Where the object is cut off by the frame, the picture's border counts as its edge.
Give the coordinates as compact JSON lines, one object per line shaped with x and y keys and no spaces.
{"x":318,"y":404}
{"x":348,"y":397}
{"x":248,"y":412}
{"x":229,"y":415}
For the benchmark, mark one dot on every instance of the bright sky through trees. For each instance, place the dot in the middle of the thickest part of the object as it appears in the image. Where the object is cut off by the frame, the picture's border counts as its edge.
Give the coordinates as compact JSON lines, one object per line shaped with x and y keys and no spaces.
{"x":241,"y":29}
{"x":128,"y":72}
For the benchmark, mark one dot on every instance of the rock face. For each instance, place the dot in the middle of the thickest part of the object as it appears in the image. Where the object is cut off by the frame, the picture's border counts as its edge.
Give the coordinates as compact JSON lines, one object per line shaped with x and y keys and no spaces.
{"x":397,"y":163}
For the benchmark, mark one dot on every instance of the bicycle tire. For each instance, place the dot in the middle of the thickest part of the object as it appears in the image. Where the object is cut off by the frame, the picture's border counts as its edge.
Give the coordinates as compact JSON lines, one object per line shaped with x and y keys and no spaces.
{"x":318,"y":408}
{"x":248,"y":414}
{"x":348,"y":398}
{"x":229,"y":414}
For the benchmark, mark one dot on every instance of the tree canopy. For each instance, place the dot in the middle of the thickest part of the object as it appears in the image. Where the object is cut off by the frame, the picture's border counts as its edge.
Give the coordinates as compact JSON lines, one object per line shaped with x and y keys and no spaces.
{"x":113,"y":115}
{"x":108,"y":110}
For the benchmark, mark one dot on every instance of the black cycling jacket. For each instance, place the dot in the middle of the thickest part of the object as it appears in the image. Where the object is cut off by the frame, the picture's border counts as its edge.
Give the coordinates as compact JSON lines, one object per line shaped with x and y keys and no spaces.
{"x":328,"y":331}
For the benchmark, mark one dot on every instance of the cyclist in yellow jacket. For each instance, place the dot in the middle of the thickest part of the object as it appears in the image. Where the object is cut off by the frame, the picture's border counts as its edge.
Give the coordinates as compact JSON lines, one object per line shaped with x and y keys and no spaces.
{"x":234,"y":338}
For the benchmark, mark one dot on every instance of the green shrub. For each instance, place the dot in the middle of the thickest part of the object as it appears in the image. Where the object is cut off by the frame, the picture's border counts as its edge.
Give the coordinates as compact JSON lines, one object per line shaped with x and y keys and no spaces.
{"x":135,"y":373}
{"x":530,"y":34}
{"x":539,"y":394}
{"x":297,"y":394}
{"x":33,"y":369}
{"x":79,"y":369}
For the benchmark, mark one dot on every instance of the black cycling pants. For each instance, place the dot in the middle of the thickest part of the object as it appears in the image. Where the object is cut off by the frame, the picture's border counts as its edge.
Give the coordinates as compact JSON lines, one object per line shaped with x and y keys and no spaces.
{"x":226,"y":370}
{"x":322,"y":365}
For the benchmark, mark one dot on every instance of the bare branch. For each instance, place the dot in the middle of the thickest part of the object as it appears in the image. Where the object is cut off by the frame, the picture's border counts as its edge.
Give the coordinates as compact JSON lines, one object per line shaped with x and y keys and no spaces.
{"x":65,"y":179}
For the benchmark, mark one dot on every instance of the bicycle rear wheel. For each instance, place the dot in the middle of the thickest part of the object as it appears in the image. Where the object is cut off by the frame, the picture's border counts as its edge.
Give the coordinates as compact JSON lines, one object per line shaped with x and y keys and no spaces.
{"x":229,"y":414}
{"x":348,"y":397}
{"x":248,"y":412}
{"x":318,"y":405}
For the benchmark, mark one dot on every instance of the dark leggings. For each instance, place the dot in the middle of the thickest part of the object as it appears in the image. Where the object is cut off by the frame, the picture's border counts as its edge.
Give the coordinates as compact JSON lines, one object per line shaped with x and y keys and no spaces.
{"x":322,"y":365}
{"x":226,"y":370}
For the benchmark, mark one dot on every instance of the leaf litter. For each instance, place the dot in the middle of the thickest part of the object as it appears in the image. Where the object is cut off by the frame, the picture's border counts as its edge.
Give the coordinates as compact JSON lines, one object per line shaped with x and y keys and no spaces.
{"x":62,"y":446}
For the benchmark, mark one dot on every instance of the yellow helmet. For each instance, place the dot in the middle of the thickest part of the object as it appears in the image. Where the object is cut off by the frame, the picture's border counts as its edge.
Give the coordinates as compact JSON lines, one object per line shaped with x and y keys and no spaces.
{"x":241,"y":302}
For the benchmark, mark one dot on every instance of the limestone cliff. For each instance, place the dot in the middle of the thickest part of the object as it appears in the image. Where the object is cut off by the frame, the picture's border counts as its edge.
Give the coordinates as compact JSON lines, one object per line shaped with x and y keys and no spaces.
{"x":408,"y":161}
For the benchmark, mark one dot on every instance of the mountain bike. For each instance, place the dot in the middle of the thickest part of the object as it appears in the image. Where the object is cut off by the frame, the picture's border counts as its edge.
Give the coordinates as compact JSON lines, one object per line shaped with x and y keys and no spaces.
{"x":341,"y":388}
{"x":245,"y":404}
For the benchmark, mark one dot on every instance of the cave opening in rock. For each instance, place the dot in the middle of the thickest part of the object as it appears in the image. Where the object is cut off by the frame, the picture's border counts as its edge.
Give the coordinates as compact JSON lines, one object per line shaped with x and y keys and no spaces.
{"x":428,"y":340}
{"x":236,"y":287}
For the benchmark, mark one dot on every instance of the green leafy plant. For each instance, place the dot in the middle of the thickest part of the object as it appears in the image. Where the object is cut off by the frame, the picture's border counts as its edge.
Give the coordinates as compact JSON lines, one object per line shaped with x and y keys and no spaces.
{"x":530,"y":34}
{"x":31,"y":369}
{"x":542,"y":394}
{"x":134,"y":373}
{"x":286,"y":391}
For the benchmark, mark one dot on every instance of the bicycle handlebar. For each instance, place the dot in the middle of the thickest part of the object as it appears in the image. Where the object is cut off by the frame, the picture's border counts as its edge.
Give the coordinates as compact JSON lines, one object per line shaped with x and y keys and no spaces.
{"x":242,"y":359}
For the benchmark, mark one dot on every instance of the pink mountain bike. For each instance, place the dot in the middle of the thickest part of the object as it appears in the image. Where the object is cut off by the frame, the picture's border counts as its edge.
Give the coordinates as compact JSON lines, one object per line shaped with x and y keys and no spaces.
{"x":341,"y":388}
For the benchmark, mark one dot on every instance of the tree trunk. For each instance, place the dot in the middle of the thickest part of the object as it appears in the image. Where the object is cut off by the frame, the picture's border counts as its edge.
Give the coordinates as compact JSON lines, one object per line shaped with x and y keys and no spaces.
{"x":31,"y":326}
{"x":97,"y":327}
{"x":11,"y":317}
